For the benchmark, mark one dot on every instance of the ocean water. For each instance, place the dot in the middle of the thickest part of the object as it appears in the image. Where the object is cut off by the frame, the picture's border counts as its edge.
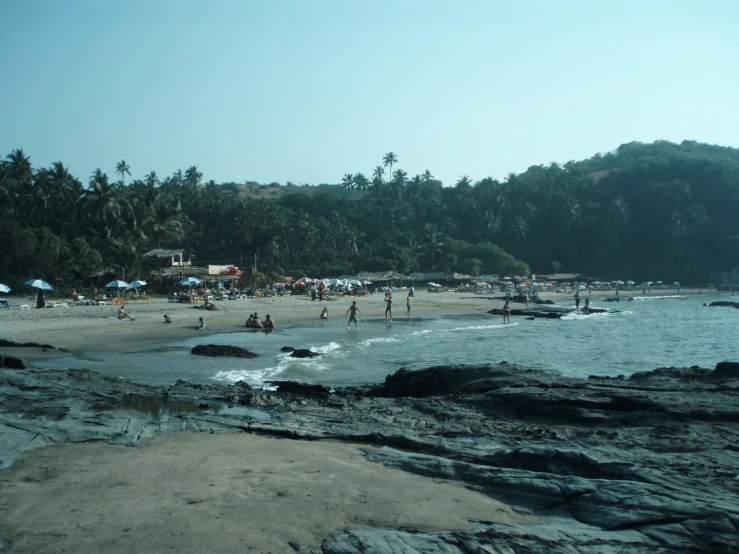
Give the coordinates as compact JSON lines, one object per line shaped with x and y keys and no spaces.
{"x":637,"y":335}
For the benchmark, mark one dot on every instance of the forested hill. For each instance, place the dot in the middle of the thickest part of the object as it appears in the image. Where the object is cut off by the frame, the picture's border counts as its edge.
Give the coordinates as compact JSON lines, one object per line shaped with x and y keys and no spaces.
{"x":645,"y":211}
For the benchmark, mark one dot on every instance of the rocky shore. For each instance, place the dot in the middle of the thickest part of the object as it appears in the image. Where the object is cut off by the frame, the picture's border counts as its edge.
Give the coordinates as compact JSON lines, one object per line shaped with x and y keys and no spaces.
{"x":646,"y":464}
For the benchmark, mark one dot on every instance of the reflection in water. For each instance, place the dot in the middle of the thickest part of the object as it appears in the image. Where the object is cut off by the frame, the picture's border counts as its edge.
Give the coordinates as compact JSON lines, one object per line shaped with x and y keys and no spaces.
{"x":161,"y":406}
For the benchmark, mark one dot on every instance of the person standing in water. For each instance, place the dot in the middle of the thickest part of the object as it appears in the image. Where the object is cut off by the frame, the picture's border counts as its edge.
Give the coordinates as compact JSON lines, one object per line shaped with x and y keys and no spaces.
{"x":408,"y":304}
{"x":353,"y":310}
{"x":202,"y":324}
{"x":389,"y":308}
{"x":506,"y":312}
{"x":577,"y":300}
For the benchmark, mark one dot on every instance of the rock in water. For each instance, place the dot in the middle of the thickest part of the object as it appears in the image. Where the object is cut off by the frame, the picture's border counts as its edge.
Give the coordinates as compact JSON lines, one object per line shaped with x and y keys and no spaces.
{"x":287,"y":349}
{"x":13,"y":363}
{"x":214,"y":350}
{"x":295,"y":387}
{"x":303,"y":353}
{"x":725,"y":370}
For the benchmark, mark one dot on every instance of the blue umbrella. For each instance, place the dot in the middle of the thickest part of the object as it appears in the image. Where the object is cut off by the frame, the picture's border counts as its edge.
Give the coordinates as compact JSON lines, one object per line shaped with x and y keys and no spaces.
{"x":39,"y":284}
{"x":4,"y":288}
{"x":189,"y":282}
{"x":116,"y":285}
{"x":136,"y":284}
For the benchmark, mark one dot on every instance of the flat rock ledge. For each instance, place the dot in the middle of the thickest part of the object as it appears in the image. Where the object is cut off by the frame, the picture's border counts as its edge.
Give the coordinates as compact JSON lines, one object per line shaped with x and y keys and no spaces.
{"x":647,"y":465}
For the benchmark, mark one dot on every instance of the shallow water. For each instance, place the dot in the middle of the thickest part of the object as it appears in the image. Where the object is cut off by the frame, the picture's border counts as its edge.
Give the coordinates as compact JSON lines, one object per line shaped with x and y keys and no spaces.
{"x":642,"y":334}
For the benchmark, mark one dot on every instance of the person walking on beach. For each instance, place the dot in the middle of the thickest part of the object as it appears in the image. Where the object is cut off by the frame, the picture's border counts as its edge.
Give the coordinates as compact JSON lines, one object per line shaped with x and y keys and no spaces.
{"x":408,"y":304}
{"x":389,"y":308}
{"x":352,"y":313}
{"x":506,"y":312}
{"x":577,"y":300}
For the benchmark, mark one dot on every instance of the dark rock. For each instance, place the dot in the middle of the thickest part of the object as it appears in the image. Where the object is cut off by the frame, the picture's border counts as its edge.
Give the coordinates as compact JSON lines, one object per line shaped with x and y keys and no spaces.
{"x":12,"y":344}
{"x":13,"y":363}
{"x":303,"y":353}
{"x":294,"y":387}
{"x":286,"y":349}
{"x":721,"y":303}
{"x":214,"y":350}
{"x":725,"y":370}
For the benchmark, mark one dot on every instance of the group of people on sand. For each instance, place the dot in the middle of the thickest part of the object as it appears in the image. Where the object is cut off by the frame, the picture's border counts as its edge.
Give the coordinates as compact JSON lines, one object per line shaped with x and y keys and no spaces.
{"x":253,"y":321}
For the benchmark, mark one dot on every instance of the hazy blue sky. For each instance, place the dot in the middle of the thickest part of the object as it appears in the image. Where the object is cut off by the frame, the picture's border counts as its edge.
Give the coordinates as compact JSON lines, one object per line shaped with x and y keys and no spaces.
{"x":306,"y":91}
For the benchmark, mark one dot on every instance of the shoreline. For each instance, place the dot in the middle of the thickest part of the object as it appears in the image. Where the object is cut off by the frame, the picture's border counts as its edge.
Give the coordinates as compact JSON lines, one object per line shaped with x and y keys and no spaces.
{"x":96,"y":329}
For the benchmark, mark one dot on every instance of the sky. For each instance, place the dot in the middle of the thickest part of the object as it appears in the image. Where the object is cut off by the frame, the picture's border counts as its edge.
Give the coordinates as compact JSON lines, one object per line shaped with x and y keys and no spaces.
{"x":306,"y":91}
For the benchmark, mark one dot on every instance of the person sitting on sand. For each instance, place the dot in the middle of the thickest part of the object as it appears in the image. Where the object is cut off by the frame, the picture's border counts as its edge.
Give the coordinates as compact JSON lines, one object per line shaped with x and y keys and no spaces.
{"x":202,"y":324}
{"x":324,"y":313}
{"x":268,"y":322}
{"x":250,"y":321}
{"x":167,"y":319}
{"x":123,"y":314}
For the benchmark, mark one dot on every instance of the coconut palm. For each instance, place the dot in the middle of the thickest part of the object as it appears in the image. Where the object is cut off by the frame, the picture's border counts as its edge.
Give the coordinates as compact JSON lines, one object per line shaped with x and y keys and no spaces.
{"x":123,"y":169}
{"x":347,"y":181}
{"x":378,"y":174}
{"x":102,"y":200}
{"x":193,"y":176}
{"x":361,"y":182}
{"x":389,"y":159}
{"x":151,"y":179}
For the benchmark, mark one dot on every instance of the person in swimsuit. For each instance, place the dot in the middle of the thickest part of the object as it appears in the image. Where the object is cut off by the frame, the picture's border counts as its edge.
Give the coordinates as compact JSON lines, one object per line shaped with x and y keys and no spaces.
{"x":250,"y":321}
{"x":324,"y":313}
{"x":123,"y":314}
{"x":268,"y":322}
{"x":352,"y":313}
{"x":389,"y":308}
{"x":408,"y":304}
{"x":202,"y":324}
{"x":167,"y":319}
{"x":506,"y":312}
{"x":577,"y":300}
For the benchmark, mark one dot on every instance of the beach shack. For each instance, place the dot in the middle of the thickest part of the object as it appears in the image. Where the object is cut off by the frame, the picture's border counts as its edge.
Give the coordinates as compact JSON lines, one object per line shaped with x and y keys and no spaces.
{"x":160,"y":258}
{"x":383,"y":279}
{"x":447,"y":278}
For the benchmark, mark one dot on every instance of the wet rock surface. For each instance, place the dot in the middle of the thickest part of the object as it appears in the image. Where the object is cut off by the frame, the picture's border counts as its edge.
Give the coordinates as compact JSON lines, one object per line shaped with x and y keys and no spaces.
{"x":648,"y":464}
{"x":303,"y":353}
{"x":13,"y":362}
{"x":222,"y":350}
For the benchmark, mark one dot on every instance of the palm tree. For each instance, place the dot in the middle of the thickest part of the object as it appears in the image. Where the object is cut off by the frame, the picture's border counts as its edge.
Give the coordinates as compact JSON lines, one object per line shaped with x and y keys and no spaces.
{"x":400,"y":177}
{"x":348,"y":181}
{"x":193,"y":176}
{"x":102,"y":200}
{"x":123,"y":169}
{"x":464,"y":182}
{"x":19,"y":166}
{"x":427,"y":176}
{"x":389,"y":159}
{"x":361,"y":182}
{"x":151,"y":179}
{"x":378,"y":174}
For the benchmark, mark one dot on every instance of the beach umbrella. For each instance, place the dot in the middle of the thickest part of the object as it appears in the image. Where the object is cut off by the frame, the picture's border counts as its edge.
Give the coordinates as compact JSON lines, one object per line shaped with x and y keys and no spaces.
{"x":136,"y":284}
{"x":117,"y":284}
{"x":365,"y":282}
{"x":4,"y":288}
{"x":355,"y":283}
{"x":39,"y":284}
{"x":189,"y":282}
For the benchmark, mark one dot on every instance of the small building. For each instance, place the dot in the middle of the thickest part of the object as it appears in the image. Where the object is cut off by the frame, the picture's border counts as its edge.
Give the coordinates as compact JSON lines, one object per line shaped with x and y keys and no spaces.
{"x":160,"y":257}
{"x":382,"y":278}
{"x":445,"y":277}
{"x":559,"y":277}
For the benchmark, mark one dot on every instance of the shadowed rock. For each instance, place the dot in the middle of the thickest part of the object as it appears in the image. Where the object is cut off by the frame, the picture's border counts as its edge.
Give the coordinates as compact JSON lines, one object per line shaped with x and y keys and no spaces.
{"x":13,"y":363}
{"x":300,"y":388}
{"x":215,"y":350}
{"x":287,"y":349}
{"x":303,"y":353}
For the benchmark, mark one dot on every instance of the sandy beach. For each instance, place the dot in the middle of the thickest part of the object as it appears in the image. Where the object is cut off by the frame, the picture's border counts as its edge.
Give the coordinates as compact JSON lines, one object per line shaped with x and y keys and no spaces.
{"x":97,"y":328}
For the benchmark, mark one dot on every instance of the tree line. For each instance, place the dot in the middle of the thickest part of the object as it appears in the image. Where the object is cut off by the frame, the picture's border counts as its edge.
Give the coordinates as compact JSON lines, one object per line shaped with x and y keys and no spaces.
{"x":645,"y":211}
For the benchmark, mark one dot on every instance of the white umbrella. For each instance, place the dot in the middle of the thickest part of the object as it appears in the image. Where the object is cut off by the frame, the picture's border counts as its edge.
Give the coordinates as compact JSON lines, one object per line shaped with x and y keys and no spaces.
{"x":136,"y":284}
{"x":39,"y":284}
{"x":4,"y":288}
{"x":117,"y":284}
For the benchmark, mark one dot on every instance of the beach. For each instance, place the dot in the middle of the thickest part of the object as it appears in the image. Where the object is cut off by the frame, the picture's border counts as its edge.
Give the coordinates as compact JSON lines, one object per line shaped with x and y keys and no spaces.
{"x":450,"y":459}
{"x":97,"y":328}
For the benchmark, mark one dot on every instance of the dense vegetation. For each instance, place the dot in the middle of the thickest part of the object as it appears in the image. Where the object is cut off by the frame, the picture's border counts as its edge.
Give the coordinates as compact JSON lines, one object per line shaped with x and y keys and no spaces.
{"x":646,"y":211}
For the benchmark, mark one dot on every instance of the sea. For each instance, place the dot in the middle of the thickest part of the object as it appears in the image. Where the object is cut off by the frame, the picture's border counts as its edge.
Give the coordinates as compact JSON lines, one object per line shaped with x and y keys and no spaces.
{"x":639,"y":334}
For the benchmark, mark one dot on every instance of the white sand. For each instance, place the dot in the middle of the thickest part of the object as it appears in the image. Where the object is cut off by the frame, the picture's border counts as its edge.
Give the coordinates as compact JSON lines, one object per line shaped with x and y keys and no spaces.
{"x":233,"y":492}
